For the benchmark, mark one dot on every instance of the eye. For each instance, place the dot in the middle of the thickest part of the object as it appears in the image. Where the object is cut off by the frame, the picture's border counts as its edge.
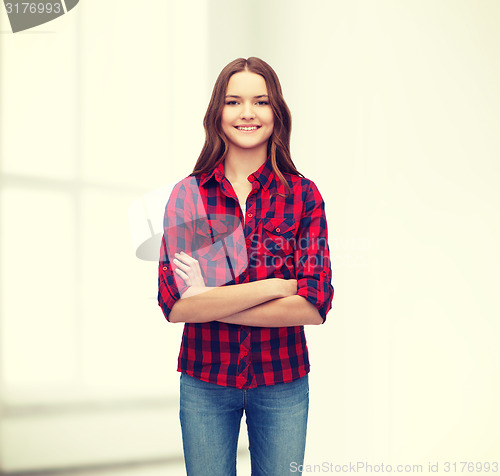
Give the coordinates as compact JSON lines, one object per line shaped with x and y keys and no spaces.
{"x":231,"y":103}
{"x":263,"y":103}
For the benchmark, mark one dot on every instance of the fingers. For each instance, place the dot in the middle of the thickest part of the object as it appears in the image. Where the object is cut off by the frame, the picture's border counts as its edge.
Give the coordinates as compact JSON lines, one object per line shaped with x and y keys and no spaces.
{"x":181,"y":265}
{"x":185,"y":258}
{"x":184,"y":261}
{"x":188,"y":269}
{"x":183,"y":275}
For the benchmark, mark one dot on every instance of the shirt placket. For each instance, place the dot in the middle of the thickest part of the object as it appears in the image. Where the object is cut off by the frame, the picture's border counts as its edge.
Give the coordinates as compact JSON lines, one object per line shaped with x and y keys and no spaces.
{"x":244,"y":361}
{"x":245,"y":374}
{"x":251,"y":225}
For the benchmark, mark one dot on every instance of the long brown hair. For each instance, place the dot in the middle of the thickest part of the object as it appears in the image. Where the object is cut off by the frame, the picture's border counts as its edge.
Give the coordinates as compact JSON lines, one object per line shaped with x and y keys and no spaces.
{"x":216,"y":144}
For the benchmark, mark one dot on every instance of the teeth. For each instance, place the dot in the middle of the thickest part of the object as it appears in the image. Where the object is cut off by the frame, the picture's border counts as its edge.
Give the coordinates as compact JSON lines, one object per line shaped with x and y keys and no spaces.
{"x":252,"y":128}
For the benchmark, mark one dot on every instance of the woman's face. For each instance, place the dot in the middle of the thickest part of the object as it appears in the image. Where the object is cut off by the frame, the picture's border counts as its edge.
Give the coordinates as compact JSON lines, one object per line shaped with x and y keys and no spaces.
{"x":247,"y":117}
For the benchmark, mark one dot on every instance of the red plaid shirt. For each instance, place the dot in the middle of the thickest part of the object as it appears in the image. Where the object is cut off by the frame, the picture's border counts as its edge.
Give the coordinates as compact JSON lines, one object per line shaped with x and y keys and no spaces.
{"x":276,"y":237}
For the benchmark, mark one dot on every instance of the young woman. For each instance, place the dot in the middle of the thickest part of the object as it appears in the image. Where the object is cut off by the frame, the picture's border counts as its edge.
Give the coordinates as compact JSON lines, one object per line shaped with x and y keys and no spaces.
{"x":245,"y":265}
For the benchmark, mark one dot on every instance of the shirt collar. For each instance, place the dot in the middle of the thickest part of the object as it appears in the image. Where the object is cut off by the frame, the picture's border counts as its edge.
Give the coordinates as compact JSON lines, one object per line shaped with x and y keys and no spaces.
{"x":217,"y":172}
{"x":264,"y":174}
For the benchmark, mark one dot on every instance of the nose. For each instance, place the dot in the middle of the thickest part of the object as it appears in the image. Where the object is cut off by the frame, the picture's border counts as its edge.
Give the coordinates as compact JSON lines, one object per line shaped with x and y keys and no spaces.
{"x":247,"y":112}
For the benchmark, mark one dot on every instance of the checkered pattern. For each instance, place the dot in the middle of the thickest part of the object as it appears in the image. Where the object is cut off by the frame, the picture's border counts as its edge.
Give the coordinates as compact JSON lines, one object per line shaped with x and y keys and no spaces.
{"x":278,"y":237}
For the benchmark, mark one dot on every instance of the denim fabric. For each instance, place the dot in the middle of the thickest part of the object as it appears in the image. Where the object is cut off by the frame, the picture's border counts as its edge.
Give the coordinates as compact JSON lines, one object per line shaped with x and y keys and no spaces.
{"x":276,"y":417}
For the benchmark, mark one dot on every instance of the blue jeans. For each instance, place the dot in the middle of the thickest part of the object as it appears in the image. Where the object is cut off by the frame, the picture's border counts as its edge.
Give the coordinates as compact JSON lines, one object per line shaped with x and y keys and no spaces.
{"x":276,"y":418}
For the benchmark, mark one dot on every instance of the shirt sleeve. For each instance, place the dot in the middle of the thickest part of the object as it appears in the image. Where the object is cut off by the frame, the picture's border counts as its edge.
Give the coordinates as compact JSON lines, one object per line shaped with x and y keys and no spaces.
{"x":312,"y":254}
{"x":177,"y":236}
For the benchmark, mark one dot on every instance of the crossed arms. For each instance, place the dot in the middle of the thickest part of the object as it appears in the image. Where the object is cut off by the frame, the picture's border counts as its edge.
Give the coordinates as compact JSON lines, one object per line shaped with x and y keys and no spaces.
{"x":269,"y":302}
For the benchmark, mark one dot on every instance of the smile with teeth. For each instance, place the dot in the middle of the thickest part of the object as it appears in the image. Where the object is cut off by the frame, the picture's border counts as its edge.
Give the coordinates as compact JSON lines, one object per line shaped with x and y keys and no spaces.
{"x":247,"y":128}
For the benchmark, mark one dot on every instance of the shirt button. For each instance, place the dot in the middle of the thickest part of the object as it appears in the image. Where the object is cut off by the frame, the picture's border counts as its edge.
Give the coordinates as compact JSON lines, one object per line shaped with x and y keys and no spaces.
{"x":248,"y":241}
{"x":164,"y":268}
{"x":250,"y":215}
{"x":277,"y":230}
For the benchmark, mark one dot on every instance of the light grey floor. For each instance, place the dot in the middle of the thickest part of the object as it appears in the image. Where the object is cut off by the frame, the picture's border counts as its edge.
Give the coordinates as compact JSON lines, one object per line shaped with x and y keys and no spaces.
{"x":173,"y":469}
{"x":166,"y":470}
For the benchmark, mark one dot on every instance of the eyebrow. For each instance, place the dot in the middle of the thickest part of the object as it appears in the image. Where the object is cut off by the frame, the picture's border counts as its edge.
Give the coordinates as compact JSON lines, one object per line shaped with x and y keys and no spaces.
{"x":239,"y":97}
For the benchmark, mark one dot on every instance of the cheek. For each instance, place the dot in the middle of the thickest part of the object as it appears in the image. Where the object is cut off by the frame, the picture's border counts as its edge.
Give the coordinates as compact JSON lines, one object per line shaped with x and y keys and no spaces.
{"x":227,"y":117}
{"x":268,"y":117}
{"x":270,"y":124}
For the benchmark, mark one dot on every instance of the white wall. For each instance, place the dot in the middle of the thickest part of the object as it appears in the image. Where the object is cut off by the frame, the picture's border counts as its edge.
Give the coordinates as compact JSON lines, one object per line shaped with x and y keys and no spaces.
{"x":98,"y":107}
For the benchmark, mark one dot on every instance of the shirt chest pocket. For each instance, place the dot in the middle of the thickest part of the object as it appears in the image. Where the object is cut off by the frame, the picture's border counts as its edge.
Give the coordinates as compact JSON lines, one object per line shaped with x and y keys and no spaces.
{"x":209,"y":240}
{"x":278,"y":236}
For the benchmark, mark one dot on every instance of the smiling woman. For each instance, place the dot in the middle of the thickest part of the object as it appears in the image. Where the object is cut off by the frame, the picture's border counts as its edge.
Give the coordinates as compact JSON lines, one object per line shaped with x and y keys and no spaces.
{"x":236,"y":268}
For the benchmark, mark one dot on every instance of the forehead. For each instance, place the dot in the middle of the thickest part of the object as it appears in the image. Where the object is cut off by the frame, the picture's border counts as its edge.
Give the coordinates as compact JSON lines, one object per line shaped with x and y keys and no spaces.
{"x":246,"y":83}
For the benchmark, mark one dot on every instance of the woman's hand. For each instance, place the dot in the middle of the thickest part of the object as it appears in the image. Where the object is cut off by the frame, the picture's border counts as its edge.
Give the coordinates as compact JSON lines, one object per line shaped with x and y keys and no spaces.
{"x":289,"y":287}
{"x":188,"y":269}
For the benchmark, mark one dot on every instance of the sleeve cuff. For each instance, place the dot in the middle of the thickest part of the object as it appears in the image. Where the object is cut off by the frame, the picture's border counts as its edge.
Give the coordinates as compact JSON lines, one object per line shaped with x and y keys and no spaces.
{"x":318,"y":293}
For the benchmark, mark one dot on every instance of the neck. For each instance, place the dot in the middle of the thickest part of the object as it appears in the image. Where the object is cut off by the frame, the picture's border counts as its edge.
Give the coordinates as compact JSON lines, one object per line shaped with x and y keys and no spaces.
{"x":240,"y":163}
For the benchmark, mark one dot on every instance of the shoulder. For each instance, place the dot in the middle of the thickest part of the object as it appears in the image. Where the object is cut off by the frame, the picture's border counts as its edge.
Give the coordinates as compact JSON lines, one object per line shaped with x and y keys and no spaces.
{"x":183,"y":195}
{"x":302,"y":186}
{"x":185,"y":187}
